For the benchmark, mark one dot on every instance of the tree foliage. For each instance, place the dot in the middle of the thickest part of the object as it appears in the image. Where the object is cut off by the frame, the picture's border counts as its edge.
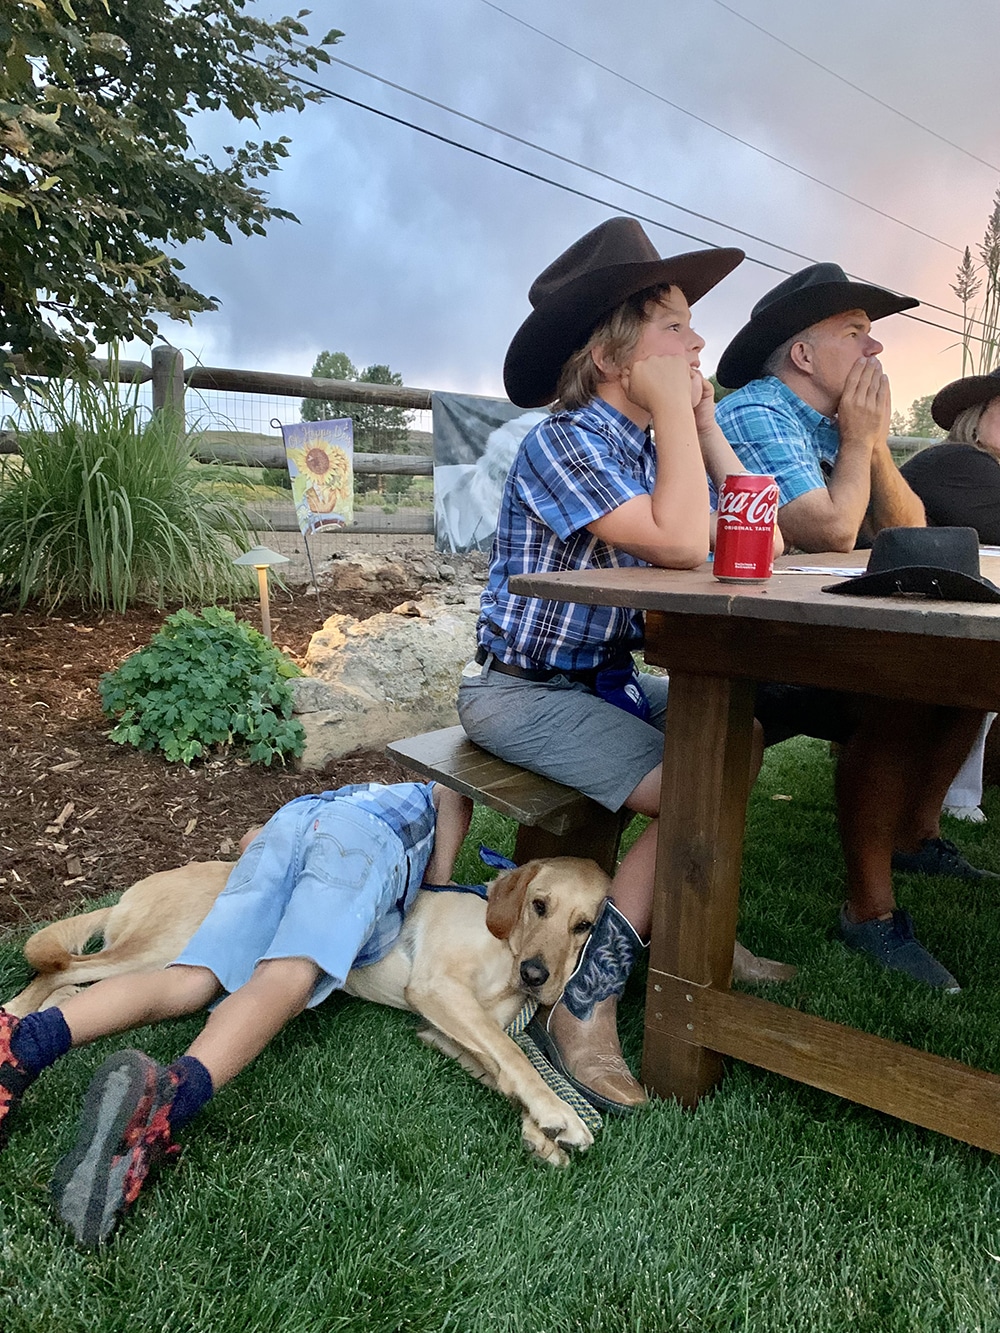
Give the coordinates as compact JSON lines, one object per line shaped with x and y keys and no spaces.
{"x":377,"y":429}
{"x":99,"y":172}
{"x":917,"y":421}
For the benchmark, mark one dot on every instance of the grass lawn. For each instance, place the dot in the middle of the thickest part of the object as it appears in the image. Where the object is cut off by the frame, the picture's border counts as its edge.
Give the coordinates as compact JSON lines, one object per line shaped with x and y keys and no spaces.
{"x":352,"y":1179}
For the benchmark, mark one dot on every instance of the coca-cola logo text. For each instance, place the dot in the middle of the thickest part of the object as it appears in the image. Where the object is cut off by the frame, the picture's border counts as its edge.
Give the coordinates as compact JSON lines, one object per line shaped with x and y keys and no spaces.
{"x":760,"y":509}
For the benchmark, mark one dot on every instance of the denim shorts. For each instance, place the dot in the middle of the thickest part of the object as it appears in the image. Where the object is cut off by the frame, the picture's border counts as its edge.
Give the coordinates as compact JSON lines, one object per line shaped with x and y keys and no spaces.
{"x":336,"y":898}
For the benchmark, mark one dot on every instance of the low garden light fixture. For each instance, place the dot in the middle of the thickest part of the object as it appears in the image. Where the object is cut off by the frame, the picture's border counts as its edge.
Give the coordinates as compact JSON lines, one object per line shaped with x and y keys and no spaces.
{"x":262,"y":558}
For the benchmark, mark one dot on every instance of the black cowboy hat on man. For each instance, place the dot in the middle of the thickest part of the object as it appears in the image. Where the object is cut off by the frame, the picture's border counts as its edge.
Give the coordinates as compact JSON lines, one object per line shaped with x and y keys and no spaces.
{"x":802,"y":300}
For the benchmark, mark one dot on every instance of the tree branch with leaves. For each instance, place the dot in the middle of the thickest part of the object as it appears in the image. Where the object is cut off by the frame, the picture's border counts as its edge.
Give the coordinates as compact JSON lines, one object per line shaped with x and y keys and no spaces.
{"x":100,"y":176}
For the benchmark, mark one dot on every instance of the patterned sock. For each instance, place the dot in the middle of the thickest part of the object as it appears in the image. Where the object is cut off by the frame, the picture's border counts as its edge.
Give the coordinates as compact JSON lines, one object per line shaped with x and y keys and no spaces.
{"x":194,"y":1089}
{"x":40,"y":1040}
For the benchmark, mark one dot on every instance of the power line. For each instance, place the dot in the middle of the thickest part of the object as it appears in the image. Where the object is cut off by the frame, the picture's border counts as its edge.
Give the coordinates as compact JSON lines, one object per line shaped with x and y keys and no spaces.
{"x":568,"y":161}
{"x":582,"y":194}
{"x":857,"y":87}
{"x":602,"y":175}
{"x":771,"y":157}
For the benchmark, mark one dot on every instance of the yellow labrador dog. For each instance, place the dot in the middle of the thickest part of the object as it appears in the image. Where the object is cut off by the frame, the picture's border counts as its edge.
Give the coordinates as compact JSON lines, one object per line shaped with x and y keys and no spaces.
{"x":463,"y":964}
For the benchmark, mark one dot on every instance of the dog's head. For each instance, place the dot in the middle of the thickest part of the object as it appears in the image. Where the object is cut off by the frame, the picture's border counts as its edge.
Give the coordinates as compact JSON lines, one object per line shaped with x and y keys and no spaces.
{"x":545,"y":910}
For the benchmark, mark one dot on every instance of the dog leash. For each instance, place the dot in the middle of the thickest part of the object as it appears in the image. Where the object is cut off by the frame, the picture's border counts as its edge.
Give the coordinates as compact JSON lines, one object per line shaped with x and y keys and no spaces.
{"x":488,"y":857}
{"x":563,"y":1089}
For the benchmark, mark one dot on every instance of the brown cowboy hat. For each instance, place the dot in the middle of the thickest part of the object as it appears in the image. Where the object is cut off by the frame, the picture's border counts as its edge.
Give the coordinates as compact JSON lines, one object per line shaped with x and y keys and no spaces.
{"x":813,"y":294}
{"x":589,"y":280}
{"x":955,"y":397}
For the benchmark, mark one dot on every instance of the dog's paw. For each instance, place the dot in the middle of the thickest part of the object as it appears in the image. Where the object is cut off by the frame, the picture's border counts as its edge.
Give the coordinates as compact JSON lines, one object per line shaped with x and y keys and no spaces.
{"x":554,"y":1138}
{"x":540,"y":1146}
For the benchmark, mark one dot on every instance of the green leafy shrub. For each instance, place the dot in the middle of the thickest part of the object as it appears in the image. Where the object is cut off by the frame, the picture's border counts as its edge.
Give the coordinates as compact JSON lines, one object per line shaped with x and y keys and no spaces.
{"x":109,"y":507}
{"x":203,"y":681}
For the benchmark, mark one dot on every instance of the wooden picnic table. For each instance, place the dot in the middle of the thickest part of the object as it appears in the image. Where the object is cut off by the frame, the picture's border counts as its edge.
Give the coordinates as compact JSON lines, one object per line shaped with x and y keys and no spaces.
{"x":717,"y":640}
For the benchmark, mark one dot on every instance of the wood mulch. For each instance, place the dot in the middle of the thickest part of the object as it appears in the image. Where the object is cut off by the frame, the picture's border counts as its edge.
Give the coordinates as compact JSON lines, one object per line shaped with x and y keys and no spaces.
{"x":82,"y":816}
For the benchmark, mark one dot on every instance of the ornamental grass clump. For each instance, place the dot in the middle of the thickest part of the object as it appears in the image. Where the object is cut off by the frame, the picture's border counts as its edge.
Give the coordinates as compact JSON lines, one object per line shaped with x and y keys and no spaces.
{"x":205,"y":682}
{"x":107,"y":506}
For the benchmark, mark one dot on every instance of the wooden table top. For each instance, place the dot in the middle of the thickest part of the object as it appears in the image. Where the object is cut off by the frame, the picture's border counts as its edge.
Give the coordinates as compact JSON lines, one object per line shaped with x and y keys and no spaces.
{"x":788,"y":597}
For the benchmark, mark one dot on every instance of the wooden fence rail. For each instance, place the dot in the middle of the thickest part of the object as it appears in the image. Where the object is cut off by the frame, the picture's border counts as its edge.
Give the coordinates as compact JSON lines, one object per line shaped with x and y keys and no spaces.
{"x":171,"y":380}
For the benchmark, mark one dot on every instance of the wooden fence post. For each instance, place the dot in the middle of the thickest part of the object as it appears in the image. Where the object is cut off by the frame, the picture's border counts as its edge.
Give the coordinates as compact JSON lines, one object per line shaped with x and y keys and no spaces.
{"x":168,"y":379}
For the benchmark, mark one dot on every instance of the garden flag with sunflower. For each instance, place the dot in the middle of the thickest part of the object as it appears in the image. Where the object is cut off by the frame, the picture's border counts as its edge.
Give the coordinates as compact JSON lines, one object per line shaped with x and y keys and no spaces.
{"x":320,"y":458}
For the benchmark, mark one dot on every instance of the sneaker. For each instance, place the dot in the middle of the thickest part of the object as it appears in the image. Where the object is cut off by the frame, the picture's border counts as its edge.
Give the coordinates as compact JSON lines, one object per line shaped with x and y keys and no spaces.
{"x":123,"y":1138}
{"x":14,"y":1078}
{"x":892,"y":944}
{"x":972,"y":814}
{"x":939,"y":856}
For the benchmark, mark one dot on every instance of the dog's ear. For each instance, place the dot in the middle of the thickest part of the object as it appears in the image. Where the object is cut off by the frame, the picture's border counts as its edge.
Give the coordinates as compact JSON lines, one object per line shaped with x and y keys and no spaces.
{"x":506,"y":899}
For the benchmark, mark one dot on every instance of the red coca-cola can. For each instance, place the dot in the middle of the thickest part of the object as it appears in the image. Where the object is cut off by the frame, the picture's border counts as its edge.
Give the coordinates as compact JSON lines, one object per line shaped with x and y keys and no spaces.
{"x":744,"y":538}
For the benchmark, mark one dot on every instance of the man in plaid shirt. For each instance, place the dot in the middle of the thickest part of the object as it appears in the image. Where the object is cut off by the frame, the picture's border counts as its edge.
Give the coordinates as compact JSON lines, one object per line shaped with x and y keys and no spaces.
{"x":811,"y":408}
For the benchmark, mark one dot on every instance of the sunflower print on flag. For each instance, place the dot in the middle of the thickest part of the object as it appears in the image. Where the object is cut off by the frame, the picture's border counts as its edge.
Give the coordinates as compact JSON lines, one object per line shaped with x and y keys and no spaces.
{"x":320,"y":458}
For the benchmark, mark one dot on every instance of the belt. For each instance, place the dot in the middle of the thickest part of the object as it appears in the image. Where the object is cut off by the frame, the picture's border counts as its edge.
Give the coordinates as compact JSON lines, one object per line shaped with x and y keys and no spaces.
{"x":537,"y":674}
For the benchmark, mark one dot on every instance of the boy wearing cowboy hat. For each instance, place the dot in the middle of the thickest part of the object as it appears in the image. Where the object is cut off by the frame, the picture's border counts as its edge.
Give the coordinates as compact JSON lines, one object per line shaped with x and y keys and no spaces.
{"x":811,"y":408}
{"x":554,"y":688}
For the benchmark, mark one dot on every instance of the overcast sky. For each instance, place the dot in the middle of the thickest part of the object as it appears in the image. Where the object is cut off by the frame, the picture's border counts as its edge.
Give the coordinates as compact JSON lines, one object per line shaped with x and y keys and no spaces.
{"x":417,"y":254}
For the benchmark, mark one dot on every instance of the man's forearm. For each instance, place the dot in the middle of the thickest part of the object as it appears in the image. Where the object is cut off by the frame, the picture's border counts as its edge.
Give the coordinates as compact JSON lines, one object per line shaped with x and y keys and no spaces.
{"x":893,"y":503}
{"x":849,"y":491}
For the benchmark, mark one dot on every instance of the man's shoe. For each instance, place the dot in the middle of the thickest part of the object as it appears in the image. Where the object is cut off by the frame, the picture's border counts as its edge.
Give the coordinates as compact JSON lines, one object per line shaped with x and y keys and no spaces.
{"x":14,"y":1078}
{"x":939,"y":856}
{"x":124,"y":1136}
{"x":892,"y":944}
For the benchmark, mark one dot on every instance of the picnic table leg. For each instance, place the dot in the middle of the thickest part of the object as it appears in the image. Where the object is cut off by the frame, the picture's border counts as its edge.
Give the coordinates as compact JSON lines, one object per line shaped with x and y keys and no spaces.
{"x":706,"y":784}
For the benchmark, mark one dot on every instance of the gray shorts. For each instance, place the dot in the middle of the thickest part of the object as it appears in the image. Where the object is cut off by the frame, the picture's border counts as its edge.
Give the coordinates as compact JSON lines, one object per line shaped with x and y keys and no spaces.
{"x":561,"y":729}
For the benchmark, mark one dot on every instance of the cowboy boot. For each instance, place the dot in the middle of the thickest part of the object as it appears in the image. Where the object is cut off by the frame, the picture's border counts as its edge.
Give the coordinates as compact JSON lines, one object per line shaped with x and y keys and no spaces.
{"x":580,"y":1036}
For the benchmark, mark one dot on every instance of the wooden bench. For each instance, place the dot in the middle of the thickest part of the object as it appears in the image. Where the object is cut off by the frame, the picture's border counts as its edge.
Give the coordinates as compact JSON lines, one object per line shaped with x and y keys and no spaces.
{"x":552,"y":820}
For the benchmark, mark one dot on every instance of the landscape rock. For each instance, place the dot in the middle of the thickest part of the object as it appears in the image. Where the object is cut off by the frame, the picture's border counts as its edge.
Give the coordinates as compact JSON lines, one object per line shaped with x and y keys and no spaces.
{"x":394,"y":674}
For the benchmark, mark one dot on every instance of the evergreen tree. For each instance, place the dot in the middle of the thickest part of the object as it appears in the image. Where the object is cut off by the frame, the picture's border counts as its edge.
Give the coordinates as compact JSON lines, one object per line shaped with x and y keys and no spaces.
{"x":377,"y":429}
{"x":330,"y":366}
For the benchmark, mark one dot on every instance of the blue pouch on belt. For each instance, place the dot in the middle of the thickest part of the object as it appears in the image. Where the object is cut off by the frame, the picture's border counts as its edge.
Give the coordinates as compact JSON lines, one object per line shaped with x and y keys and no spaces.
{"x":619,"y":685}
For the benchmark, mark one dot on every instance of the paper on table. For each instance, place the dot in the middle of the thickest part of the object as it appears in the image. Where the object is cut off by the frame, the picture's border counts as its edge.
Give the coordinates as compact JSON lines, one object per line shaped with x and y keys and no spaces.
{"x":836,"y":571}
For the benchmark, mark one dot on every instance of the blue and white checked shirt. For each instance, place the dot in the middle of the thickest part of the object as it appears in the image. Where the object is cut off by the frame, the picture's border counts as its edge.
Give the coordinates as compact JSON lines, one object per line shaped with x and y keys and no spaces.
{"x":774,"y":432}
{"x":572,"y":468}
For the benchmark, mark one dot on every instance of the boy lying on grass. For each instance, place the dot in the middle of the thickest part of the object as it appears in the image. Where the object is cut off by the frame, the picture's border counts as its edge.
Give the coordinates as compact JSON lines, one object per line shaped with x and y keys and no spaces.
{"x":323,"y":887}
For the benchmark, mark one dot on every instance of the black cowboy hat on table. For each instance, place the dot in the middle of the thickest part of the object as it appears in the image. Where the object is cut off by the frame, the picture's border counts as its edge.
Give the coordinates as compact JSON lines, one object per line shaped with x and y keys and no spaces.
{"x":589,"y":280}
{"x":936,"y":562}
{"x":955,"y":397}
{"x":807,"y":297}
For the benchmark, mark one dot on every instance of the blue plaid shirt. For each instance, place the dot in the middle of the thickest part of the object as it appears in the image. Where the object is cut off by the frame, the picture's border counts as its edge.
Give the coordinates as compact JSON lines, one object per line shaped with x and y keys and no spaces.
{"x":572,"y":468}
{"x":773,"y":431}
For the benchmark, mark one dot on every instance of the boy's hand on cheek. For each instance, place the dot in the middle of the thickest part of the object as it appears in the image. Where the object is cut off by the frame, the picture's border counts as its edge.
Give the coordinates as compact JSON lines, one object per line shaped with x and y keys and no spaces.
{"x":658,"y":381}
{"x":703,"y":401}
